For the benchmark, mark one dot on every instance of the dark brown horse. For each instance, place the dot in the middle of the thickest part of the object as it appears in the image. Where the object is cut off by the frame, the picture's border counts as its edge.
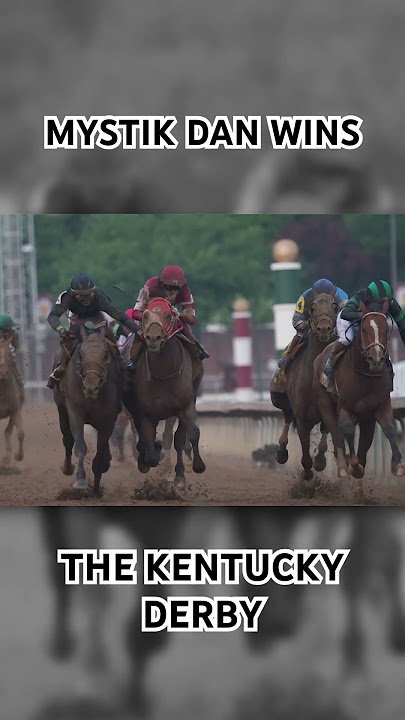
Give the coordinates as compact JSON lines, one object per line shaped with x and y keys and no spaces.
{"x":89,"y":394}
{"x":363,"y":383}
{"x":11,"y":401}
{"x":165,"y":386}
{"x":297,"y":403}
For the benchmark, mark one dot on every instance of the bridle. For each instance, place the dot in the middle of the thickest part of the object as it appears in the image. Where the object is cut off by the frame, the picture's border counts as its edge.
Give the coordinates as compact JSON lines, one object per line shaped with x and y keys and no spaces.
{"x":166,"y":334}
{"x":365,"y":348}
{"x":95,"y":367}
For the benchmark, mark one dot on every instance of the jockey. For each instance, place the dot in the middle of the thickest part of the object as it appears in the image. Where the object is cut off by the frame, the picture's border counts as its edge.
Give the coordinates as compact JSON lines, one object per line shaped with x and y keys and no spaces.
{"x":171,"y":285}
{"x":8,"y":332}
{"x":81,"y":302}
{"x":300,"y":319}
{"x":347,"y":323}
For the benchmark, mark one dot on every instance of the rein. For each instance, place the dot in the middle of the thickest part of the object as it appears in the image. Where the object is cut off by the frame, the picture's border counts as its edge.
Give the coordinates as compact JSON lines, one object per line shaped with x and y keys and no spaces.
{"x":364,"y":348}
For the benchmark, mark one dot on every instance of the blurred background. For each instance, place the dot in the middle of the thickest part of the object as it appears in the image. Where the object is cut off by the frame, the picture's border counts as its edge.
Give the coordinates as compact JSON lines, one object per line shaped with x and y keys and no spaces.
{"x":330,"y":652}
{"x":220,"y":58}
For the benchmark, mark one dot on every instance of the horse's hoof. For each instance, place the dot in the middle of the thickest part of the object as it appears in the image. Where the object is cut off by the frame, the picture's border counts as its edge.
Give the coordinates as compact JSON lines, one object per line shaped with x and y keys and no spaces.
{"x":342,"y":473}
{"x":67,"y":469}
{"x":307,"y":474}
{"x":143,"y":467}
{"x":188,"y":465}
{"x":199,"y":467}
{"x":399,"y":470}
{"x":282,"y":456}
{"x":179,"y":482}
{"x":19,"y":456}
{"x":320,"y":463}
{"x":357,"y":471}
{"x":80,"y":485}
{"x":96,"y":494}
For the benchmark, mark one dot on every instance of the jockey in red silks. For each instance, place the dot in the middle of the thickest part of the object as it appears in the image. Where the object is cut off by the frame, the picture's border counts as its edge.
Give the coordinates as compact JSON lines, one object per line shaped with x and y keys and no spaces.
{"x":171,"y":285}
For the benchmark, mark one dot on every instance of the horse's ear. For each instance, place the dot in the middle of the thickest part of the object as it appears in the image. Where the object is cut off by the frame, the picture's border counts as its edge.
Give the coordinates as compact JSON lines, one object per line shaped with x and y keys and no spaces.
{"x":314,"y":294}
{"x":334,"y":291}
{"x":385,"y":307}
{"x":102,"y":331}
{"x":167,"y":315}
{"x":146,"y":315}
{"x":363,"y":308}
{"x":82,"y":333}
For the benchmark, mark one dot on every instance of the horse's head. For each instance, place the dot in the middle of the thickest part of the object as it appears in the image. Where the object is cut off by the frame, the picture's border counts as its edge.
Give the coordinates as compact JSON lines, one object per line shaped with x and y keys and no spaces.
{"x":323,"y":313}
{"x":5,"y":356}
{"x":157,"y":324}
{"x":375,"y":337}
{"x":94,"y":358}
{"x":153,"y":330}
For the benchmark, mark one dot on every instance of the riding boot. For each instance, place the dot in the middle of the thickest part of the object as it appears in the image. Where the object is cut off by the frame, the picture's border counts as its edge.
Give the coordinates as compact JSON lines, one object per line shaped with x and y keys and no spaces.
{"x":330,"y":366}
{"x":203,"y":355}
{"x":58,"y":373}
{"x":285,"y":360}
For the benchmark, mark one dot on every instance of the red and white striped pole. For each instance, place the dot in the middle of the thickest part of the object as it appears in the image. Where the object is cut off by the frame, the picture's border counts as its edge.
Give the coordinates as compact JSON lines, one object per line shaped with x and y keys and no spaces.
{"x":242,"y":349}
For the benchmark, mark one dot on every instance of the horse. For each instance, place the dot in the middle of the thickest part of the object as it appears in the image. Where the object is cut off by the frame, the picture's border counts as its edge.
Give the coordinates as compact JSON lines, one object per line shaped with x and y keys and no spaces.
{"x":297,"y":402}
{"x":363,"y":383}
{"x":165,"y":385}
{"x":89,"y":394}
{"x":11,"y":402}
{"x":372,"y":572}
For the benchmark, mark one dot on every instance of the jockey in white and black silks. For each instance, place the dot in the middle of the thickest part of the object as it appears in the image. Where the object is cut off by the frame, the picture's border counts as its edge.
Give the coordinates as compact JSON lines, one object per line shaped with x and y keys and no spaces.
{"x":82,"y":302}
{"x":348,"y":321}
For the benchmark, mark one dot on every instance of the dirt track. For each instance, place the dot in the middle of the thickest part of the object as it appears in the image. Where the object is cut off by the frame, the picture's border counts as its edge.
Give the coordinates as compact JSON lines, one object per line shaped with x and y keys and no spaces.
{"x":226,"y":481}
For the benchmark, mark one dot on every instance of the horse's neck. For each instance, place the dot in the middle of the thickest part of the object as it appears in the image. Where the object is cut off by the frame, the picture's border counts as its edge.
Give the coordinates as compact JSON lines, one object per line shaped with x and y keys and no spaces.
{"x":167,"y":360}
{"x":315,"y":346}
{"x":357,"y":357}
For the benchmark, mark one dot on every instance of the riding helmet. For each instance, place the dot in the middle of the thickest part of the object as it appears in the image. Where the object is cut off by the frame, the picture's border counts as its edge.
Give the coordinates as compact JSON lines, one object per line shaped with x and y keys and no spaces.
{"x":323,"y":286}
{"x":172,"y":275}
{"x":6,"y":322}
{"x":379,"y":289}
{"x":82,"y":284}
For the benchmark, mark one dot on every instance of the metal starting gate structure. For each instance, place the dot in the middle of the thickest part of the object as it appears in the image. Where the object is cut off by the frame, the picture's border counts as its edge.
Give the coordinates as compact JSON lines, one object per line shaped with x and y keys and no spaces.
{"x":19,"y":293}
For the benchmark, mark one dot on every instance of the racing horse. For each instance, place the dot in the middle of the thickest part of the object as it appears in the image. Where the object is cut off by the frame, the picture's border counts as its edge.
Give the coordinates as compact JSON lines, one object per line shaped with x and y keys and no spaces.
{"x":297,"y":402}
{"x":165,"y":386}
{"x":89,"y":394}
{"x":11,"y":401}
{"x":363,"y":382}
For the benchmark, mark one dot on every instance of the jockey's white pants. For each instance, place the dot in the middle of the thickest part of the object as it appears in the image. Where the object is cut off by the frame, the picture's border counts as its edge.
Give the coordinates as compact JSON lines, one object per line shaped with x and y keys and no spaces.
{"x":345,"y":330}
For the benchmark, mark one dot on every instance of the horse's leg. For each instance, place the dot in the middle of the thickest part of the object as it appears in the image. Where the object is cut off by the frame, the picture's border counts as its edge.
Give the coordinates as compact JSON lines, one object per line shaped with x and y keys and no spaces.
{"x":68,"y":440}
{"x":193,"y":436}
{"x":77,"y":428}
{"x":320,"y":459}
{"x":167,"y":444}
{"x":152,"y":448}
{"x":304,"y":432}
{"x":179,"y":442}
{"x":7,"y":438}
{"x":328,"y":413}
{"x":20,"y":436}
{"x":348,"y":428}
{"x":102,"y":458}
{"x":385,"y":419}
{"x":282,"y":452}
{"x":365,"y":439}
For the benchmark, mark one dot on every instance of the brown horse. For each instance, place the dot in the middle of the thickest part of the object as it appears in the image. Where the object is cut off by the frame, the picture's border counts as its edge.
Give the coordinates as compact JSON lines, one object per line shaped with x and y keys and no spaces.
{"x":297,"y":403}
{"x":11,"y":401}
{"x":89,"y":394}
{"x":165,"y":386}
{"x":363,"y":385}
